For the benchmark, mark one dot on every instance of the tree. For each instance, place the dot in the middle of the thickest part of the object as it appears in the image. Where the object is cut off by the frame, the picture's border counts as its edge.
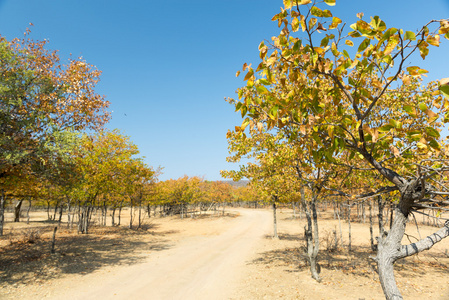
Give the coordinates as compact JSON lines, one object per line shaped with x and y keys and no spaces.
{"x":42,"y":103}
{"x":41,"y":99}
{"x":353,"y":94}
{"x":106,"y":165}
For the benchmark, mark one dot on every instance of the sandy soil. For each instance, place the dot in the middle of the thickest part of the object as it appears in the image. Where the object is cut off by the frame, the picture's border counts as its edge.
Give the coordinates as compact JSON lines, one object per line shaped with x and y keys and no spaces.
{"x":210,"y":257}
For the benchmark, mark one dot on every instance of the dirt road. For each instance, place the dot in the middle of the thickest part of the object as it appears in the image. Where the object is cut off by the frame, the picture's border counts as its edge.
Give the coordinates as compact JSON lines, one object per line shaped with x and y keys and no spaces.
{"x":201,"y":267}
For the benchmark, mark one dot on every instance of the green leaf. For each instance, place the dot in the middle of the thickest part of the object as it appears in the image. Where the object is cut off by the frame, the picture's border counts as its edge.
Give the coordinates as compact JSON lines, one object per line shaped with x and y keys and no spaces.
{"x":363,"y":45}
{"x":261,"y":89}
{"x":324,"y":42}
{"x":244,"y":110}
{"x":316,"y":11}
{"x":432,"y":132}
{"x":410,"y":35}
{"x":422,"y":106}
{"x":434,"y":144}
{"x":444,"y":89}
{"x":386,"y":128}
{"x":395,"y":124}
{"x":264,"y":81}
{"x":240,"y":93}
{"x":330,"y":2}
{"x":274,"y":111}
{"x":410,"y":110}
{"x":378,"y":24}
{"x":238,"y":106}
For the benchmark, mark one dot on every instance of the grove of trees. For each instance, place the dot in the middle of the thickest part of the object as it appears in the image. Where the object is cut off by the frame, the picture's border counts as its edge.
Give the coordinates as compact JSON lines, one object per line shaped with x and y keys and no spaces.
{"x":340,"y":111}
{"x":333,"y":114}
{"x":55,"y":152}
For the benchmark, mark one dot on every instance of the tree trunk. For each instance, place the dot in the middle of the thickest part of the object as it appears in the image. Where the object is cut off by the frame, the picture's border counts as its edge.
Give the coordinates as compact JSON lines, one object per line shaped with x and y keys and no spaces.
{"x":84,"y":218}
{"x":390,"y":250}
{"x":61,"y":207}
{"x":312,"y":239}
{"x":28,"y":210}
{"x":275,"y":225}
{"x":2,"y":211}
{"x":105,"y":212}
{"x":370,"y":206}
{"x":339,"y":227}
{"x":391,"y":215}
{"x":69,"y":214}
{"x":56,"y":210}
{"x":48,"y":210}
{"x":139,"y":225}
{"x":119,"y":213}
{"x":113,"y":216}
{"x":53,"y":241}
{"x":349,"y":227}
{"x":17,"y":208}
{"x":131,"y":214}
{"x":380,"y":215}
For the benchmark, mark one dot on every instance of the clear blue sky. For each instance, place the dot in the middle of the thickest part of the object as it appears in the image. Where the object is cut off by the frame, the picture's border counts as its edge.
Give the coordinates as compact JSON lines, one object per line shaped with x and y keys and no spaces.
{"x":168,"y":65}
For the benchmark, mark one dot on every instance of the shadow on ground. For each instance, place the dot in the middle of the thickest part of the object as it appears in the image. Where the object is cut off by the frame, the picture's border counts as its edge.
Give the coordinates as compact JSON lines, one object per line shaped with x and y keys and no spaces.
{"x":29,"y":258}
{"x":358,"y":262}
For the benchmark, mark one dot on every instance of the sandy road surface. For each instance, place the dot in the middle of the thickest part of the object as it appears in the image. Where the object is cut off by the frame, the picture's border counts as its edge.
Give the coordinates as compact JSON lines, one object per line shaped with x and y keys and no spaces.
{"x":201,"y":267}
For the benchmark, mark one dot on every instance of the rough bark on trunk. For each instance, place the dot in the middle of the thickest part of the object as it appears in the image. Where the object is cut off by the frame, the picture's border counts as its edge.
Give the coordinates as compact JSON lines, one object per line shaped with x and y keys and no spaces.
{"x":17,"y":208}
{"x":56,"y":210}
{"x":275,"y":225}
{"x":48,"y":210}
{"x":69,"y":214}
{"x":84,"y":218}
{"x":139,"y":225}
{"x":349,"y":227}
{"x":131,"y":214}
{"x":113,"y":216}
{"x":370,"y":206}
{"x":312,"y":239}
{"x":390,"y":250}
{"x":2,"y":211}
{"x":61,"y":207}
{"x":53,"y":241}
{"x":28,"y":210}
{"x":380,"y":215}
{"x":339,"y":227}
{"x":120,"y":212}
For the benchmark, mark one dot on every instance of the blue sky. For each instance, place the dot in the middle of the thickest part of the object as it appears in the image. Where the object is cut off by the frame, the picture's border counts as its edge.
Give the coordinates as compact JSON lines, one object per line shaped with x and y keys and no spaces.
{"x":168,"y":65}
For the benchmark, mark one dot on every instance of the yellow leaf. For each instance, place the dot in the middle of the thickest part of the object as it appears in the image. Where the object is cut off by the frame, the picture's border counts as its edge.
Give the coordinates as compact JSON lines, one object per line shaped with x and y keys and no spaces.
{"x":434,"y":40}
{"x":432,"y":116}
{"x":406,"y":79}
{"x":421,"y":145}
{"x":318,"y":50}
{"x":375,"y":135}
{"x":394,"y":150}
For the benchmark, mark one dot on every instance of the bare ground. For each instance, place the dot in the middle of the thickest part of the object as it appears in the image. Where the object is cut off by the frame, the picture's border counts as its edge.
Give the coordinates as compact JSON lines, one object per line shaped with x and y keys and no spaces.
{"x":210,"y":257}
